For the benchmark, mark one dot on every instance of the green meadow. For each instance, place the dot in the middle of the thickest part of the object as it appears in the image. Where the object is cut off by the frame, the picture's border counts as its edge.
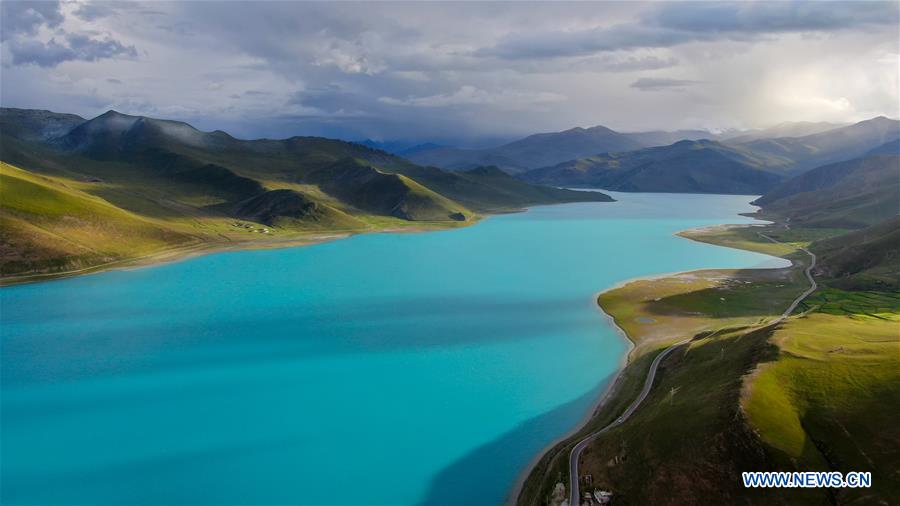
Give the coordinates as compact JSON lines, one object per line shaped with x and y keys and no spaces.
{"x":819,"y":391}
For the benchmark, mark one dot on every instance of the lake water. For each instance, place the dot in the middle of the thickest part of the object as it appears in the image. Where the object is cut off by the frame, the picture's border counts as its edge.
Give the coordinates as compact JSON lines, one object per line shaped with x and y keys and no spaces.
{"x":382,"y":369}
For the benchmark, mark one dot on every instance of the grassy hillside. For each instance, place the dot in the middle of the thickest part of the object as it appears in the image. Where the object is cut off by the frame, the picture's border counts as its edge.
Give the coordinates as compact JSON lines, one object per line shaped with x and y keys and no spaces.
{"x":290,"y":208}
{"x":389,"y":194}
{"x":688,"y":441}
{"x":50,"y":225}
{"x":215,"y":190}
{"x":817,"y":392}
{"x":868,"y":259}
{"x":849,"y":194}
{"x":687,"y":166}
{"x":828,"y":400}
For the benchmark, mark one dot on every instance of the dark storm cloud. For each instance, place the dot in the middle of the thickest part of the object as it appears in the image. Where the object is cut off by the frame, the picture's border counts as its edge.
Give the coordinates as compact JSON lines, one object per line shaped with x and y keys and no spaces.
{"x":73,"y":47}
{"x":661,"y":83}
{"x":771,"y":17}
{"x":680,"y":23}
{"x":24,"y":18}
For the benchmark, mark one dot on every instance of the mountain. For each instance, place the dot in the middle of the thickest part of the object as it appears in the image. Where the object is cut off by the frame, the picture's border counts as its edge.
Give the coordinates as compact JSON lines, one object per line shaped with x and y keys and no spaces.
{"x":834,"y":145}
{"x":51,"y":224}
{"x":383,"y":193}
{"x":849,"y":194}
{"x":454,"y":159}
{"x":339,"y":169}
{"x":394,"y":147}
{"x":531,"y":152}
{"x":663,"y":138}
{"x":36,"y":125}
{"x":428,"y":146}
{"x":208,"y":187}
{"x":702,"y":166}
{"x":291,"y":208}
{"x":888,"y":148}
{"x":786,"y":129}
{"x":867,"y":259}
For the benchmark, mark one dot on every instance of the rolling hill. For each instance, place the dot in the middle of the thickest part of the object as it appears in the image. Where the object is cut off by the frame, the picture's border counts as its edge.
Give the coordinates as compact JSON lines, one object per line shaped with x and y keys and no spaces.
{"x":850,"y":194}
{"x":205,"y":187}
{"x":50,"y":224}
{"x":867,"y":259}
{"x":687,"y":166}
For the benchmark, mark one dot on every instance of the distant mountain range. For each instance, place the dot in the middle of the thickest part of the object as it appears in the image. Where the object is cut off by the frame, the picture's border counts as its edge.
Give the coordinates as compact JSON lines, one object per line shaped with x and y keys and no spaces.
{"x":165,"y":183}
{"x":178,"y":185}
{"x":833,"y":145}
{"x":708,"y":166}
{"x":541,"y":150}
{"x":684,"y":167}
{"x":796,"y":146}
{"x":787,"y":129}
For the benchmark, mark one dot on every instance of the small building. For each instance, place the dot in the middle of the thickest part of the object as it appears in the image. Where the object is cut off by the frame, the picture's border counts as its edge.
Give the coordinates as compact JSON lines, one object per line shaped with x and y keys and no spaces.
{"x":602,"y":496}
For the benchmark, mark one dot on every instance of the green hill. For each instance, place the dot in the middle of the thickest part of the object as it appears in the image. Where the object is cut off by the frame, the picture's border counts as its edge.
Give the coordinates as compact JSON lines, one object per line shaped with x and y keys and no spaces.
{"x":50,"y":225}
{"x":684,"y":167}
{"x":286,"y":208}
{"x":216,"y":189}
{"x":850,"y":194}
{"x":389,"y":194}
{"x":867,"y":259}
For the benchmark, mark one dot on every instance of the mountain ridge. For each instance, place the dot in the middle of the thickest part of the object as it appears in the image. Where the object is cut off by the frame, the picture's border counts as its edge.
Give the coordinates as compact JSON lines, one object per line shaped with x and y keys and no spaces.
{"x":214,"y":188}
{"x":702,"y":166}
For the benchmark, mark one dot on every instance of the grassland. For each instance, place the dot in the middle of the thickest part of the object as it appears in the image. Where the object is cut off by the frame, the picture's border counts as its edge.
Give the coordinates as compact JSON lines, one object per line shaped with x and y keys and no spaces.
{"x":829,"y":400}
{"x":57,"y":226}
{"x":817,"y":392}
{"x":49,"y":224}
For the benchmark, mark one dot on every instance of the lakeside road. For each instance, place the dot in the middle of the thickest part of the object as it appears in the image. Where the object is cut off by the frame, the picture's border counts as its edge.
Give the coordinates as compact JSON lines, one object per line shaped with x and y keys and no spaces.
{"x":575,"y":455}
{"x":576,"y":451}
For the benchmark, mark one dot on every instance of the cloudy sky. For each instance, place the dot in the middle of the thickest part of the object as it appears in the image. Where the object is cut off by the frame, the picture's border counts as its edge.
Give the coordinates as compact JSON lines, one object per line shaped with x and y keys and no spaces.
{"x":454,"y":72}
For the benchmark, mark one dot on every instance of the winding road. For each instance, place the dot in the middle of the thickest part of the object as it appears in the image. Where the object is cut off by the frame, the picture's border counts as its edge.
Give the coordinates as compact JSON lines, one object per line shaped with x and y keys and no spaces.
{"x":575,"y":455}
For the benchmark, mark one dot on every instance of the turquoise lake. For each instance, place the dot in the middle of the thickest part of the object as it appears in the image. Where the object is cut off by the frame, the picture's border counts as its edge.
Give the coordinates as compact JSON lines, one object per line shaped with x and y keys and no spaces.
{"x":425,"y":368}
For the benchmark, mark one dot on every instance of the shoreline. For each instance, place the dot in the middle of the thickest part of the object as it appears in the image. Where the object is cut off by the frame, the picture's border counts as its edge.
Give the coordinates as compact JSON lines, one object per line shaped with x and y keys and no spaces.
{"x":610,"y":390}
{"x":184,"y":253}
{"x":607,"y":393}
